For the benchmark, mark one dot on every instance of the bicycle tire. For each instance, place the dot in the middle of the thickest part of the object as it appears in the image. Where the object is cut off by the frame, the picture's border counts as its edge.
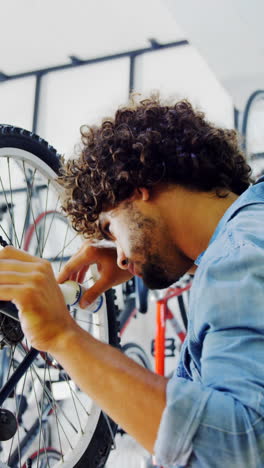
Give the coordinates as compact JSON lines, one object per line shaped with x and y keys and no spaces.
{"x":27,"y":149}
{"x":39,"y":221}
{"x":137,"y":353}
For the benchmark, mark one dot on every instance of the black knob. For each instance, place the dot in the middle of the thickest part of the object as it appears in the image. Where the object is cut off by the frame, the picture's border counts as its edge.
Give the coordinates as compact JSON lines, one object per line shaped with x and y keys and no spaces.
{"x":8,"y":424}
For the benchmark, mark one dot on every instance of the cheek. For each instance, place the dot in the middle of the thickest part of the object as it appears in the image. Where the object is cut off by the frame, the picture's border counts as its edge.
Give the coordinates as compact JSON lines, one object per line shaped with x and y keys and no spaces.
{"x":123,"y":238}
{"x":141,"y":246}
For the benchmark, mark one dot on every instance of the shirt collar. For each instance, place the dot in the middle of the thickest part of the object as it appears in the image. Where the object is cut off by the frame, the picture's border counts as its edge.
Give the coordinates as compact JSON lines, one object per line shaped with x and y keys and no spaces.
{"x":254,"y":194}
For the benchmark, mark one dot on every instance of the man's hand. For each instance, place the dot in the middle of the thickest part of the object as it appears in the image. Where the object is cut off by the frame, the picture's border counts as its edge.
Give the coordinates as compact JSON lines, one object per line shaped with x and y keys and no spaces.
{"x":30,"y":284}
{"x":109,"y":273}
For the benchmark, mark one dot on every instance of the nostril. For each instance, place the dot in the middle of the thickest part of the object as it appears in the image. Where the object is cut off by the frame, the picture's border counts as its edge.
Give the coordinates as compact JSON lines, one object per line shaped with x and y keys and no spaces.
{"x":124,"y":262}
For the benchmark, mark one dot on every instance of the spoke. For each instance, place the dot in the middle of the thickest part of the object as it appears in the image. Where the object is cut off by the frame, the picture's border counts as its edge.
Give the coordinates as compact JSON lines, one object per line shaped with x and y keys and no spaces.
{"x":37,"y":405}
{"x":46,"y":208}
{"x":51,"y":399}
{"x":110,"y":429}
{"x":12,"y":204}
{"x":10,"y":449}
{"x":9,"y":210}
{"x":22,"y":393}
{"x":30,"y":194}
{"x":74,"y":395}
{"x":11,"y":361}
{"x":54,"y":407}
{"x":57,"y":423}
{"x":17,"y":414}
{"x":41,"y":432}
{"x":62,"y":411}
{"x":54,"y":213}
{"x":18,"y":428}
{"x":65,"y":377}
{"x":26,"y":221}
{"x":64,"y":247}
{"x":64,"y":244}
{"x":12,"y":350}
{"x":88,"y":279}
{"x":5,"y":233}
{"x":40,"y":410}
{"x":87,"y":322}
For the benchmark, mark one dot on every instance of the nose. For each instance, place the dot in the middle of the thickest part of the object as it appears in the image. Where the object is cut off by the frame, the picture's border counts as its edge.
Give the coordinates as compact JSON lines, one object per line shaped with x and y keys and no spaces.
{"x":122,"y":260}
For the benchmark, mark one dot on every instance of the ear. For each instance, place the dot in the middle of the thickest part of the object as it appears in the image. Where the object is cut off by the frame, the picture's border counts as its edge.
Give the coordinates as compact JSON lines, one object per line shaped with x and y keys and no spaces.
{"x":144,"y":193}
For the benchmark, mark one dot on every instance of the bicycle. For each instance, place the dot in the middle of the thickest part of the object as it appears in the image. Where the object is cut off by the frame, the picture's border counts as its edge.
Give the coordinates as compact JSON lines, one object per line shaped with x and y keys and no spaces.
{"x":33,"y":385}
{"x":134,"y":296}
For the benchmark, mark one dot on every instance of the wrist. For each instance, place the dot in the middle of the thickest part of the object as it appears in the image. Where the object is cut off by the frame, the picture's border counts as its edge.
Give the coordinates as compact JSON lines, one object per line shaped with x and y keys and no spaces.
{"x":65,"y":338}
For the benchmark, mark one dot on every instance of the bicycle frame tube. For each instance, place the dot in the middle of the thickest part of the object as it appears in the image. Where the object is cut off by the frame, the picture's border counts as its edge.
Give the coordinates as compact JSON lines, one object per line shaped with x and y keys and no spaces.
{"x":160,"y":336}
{"x":163,"y":313}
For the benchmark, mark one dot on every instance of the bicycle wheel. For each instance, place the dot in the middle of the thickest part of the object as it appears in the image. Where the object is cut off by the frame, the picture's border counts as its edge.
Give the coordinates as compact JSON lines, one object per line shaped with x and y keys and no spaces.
{"x":252,"y":132}
{"x":39,"y":458}
{"x":77,"y":428}
{"x":137,"y":353}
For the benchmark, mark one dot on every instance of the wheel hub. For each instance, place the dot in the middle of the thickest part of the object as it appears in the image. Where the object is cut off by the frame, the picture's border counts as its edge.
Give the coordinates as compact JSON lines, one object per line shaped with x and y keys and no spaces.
{"x":10,"y":330}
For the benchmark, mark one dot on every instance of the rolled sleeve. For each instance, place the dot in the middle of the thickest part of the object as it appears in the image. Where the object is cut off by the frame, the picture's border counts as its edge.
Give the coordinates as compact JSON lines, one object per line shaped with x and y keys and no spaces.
{"x":181,"y":418}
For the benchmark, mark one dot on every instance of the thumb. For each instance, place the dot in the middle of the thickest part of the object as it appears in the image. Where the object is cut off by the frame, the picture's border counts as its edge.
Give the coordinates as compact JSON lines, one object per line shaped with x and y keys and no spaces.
{"x":92,"y":293}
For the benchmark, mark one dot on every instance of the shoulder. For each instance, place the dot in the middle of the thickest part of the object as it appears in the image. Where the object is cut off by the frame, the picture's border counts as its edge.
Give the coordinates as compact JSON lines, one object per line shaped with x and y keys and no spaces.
{"x":242,"y":235}
{"x":247,"y":225}
{"x":229,"y":281}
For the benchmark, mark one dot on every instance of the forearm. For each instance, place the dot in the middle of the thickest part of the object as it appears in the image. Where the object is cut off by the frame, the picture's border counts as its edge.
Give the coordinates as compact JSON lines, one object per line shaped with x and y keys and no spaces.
{"x":132,"y":395}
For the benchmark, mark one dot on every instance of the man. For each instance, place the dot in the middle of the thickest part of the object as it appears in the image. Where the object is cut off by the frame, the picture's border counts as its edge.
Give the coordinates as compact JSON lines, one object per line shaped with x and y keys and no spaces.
{"x":170,"y":191}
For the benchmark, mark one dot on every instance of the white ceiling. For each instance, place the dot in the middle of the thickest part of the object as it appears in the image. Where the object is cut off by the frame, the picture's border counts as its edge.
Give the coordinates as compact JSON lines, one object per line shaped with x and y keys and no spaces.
{"x":227,"y":33}
{"x":38,"y":33}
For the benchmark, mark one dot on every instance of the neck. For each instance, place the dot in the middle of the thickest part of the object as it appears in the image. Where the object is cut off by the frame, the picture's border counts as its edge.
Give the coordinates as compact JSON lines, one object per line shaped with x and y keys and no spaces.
{"x":192,"y":217}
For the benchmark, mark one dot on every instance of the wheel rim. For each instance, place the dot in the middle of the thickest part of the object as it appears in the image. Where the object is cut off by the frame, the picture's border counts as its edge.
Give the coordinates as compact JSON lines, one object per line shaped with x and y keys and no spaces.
{"x":73,"y":414}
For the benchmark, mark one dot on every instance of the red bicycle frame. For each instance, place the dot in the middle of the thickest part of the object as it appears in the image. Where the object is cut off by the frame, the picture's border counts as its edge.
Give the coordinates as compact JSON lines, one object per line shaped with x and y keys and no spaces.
{"x":163,"y":313}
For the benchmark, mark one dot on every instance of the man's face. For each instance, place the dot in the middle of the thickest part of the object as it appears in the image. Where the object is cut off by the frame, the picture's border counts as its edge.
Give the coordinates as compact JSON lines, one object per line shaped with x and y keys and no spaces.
{"x":144,"y":244}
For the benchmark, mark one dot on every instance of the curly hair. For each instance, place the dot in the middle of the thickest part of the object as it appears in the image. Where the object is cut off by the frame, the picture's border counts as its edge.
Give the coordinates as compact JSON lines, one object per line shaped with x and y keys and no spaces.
{"x":145,"y":144}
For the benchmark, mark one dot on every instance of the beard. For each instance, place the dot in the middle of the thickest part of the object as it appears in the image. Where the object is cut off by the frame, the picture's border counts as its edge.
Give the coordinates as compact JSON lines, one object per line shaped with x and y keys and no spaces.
{"x":156,"y":277}
{"x":162,"y":263}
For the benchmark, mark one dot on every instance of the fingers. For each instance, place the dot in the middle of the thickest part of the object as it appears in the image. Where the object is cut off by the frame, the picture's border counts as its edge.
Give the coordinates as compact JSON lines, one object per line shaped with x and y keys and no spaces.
{"x":10,"y":292}
{"x":7,"y":277}
{"x":20,"y":269}
{"x":78,"y":264}
{"x":81,"y":274}
{"x":10,"y":252}
{"x":92,"y":293}
{"x":71,"y":269}
{"x":9,"y":265}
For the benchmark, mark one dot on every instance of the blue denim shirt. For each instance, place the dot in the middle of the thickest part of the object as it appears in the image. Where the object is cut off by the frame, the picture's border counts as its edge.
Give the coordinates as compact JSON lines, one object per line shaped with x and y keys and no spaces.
{"x":214,"y":416}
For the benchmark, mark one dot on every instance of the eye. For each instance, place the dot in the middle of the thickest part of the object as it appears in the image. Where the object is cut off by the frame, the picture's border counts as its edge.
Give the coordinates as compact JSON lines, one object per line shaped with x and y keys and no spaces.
{"x":106,"y":228}
{"x":106,"y":231}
